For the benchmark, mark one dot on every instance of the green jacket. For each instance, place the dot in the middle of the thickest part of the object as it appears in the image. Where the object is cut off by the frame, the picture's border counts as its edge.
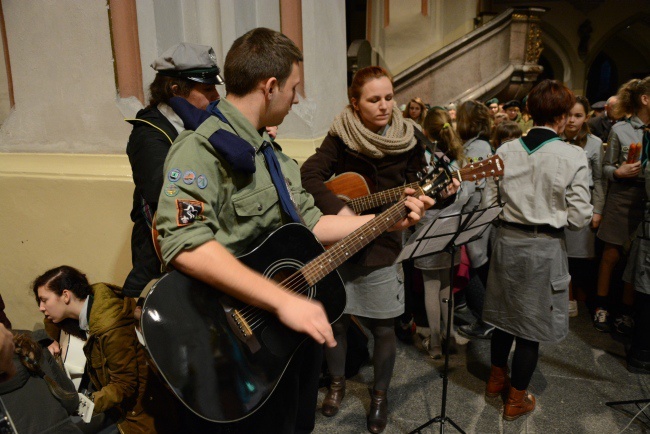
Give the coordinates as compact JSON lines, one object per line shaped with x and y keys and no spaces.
{"x":117,"y":365}
{"x":204,"y":198}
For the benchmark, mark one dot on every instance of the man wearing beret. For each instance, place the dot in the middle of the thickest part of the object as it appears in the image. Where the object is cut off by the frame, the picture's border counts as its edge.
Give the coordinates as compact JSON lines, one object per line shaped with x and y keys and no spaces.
{"x":190,"y":72}
{"x":493,"y":105}
{"x":513,"y":110}
{"x":242,"y":188}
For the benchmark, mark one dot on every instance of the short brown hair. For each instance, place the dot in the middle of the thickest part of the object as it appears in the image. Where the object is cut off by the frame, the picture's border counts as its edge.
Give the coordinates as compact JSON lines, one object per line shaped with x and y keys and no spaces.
{"x":473,"y":119}
{"x":259,"y":55}
{"x":363,"y":76}
{"x":161,"y":89}
{"x":549,"y":100}
{"x":505,"y":131}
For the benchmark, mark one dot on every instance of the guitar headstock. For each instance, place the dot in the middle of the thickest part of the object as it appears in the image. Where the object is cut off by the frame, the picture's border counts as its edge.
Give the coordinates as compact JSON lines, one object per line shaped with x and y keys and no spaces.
{"x":490,"y":167}
{"x":440,"y":176}
{"x":436,"y":180}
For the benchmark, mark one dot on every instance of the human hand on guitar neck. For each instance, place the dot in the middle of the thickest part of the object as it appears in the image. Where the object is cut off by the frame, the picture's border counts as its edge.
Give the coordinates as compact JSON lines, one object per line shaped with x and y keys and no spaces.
{"x":412,"y":218}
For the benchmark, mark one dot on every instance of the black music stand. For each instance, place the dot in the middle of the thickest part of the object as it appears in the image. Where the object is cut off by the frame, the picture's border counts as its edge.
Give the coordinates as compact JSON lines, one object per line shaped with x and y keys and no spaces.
{"x":451,"y":229}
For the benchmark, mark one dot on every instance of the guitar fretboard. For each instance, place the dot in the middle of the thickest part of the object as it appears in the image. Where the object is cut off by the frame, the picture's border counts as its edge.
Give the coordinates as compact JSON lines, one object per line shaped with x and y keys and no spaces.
{"x":365,"y":203}
{"x":374,"y":200}
{"x":351,"y":244}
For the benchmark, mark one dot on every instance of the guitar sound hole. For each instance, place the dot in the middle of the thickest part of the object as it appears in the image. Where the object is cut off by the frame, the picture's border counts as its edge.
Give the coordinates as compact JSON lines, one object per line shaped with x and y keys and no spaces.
{"x":282,"y":275}
{"x":286,"y":273}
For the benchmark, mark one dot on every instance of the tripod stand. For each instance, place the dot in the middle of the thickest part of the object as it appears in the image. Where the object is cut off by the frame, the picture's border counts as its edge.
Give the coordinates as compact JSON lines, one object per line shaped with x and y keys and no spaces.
{"x":447,"y":233}
{"x":636,"y":402}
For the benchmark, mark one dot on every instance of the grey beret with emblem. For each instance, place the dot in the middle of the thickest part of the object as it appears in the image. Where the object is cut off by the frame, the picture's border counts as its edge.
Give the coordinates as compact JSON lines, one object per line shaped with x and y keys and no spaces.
{"x":190,"y":61}
{"x":600,"y":105}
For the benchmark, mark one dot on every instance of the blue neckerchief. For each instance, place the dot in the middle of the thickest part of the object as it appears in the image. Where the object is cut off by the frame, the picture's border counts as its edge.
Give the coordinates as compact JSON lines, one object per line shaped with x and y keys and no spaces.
{"x":236,"y":151}
{"x":278,"y":180}
{"x":213,"y":109}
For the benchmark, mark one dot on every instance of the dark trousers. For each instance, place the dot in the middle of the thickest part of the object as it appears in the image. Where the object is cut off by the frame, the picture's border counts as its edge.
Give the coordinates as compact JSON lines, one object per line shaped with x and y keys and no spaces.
{"x":641,"y":337}
{"x":524,"y":360}
{"x":475,"y":290}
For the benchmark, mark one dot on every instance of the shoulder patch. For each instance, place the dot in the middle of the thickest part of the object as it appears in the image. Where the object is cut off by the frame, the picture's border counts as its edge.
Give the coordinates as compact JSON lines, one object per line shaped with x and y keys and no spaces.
{"x":171,"y":190}
{"x":202,"y":181}
{"x":174,"y":175}
{"x":188,"y":211}
{"x":189,"y":176}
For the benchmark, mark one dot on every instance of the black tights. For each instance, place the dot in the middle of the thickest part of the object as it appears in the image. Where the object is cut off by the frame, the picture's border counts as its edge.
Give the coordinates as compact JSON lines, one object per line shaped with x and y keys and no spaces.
{"x":524,"y":360}
{"x":383,"y":357}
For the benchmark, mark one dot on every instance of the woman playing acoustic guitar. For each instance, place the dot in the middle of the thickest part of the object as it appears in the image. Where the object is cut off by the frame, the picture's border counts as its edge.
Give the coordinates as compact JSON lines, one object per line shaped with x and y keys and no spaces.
{"x":372,"y":138}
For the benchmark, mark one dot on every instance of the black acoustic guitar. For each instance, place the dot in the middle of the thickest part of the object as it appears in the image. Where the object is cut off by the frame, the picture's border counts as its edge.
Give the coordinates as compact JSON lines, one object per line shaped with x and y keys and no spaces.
{"x":223,"y":358}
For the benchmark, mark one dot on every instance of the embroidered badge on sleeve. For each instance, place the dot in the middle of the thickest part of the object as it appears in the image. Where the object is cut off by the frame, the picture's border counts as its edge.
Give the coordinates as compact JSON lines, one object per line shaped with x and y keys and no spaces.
{"x":188,"y":211}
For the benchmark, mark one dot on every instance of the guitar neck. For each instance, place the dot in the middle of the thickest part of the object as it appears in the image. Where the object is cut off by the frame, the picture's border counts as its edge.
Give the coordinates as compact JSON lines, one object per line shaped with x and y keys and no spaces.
{"x":348,"y":246}
{"x":340,"y":252}
{"x":371,"y":201}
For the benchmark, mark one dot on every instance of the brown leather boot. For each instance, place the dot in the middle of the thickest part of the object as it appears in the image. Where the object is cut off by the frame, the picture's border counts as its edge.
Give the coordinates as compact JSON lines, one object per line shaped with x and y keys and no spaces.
{"x":498,"y":383}
{"x":378,"y":416}
{"x":519,"y":403}
{"x":334,"y":396}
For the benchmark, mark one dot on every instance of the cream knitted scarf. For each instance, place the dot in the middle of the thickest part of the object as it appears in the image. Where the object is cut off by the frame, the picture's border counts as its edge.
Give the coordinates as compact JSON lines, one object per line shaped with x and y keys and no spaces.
{"x":398,"y":139}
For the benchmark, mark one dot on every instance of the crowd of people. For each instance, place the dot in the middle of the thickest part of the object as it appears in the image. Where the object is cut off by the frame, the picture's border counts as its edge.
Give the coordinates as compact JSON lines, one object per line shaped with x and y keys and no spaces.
{"x":211,"y":181}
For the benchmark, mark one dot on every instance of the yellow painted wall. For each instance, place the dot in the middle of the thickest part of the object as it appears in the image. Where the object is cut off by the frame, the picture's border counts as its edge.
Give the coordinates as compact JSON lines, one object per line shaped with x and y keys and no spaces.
{"x":61,"y":209}
{"x":69,"y":209}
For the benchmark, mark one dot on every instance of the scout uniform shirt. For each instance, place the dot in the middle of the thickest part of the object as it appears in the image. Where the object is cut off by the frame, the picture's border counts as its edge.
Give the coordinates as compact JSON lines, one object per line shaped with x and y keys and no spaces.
{"x":623,"y":134}
{"x":204,"y":198}
{"x":549,"y":186}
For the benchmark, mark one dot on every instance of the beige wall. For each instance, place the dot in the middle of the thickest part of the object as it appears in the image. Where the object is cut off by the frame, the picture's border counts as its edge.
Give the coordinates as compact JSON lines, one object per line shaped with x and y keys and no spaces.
{"x":67,"y":187}
{"x":63,"y":78}
{"x":61,"y":209}
{"x":410,"y":36}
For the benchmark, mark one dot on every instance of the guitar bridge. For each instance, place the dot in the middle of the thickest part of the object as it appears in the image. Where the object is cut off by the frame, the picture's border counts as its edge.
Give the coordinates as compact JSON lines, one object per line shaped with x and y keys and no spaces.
{"x":239,"y":326}
{"x":241,"y":322}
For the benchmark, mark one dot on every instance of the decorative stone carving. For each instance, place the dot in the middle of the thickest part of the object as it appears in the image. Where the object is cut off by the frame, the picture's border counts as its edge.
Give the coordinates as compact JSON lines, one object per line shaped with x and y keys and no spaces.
{"x":533,"y":43}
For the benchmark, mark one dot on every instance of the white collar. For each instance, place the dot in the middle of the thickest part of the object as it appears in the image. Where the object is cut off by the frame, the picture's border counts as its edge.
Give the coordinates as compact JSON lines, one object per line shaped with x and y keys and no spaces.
{"x":83,"y":316}
{"x":172,"y":117}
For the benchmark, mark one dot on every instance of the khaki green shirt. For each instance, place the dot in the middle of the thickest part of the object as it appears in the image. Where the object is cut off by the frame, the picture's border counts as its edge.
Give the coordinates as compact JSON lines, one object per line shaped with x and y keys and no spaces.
{"x":621,"y":136}
{"x":204,"y":198}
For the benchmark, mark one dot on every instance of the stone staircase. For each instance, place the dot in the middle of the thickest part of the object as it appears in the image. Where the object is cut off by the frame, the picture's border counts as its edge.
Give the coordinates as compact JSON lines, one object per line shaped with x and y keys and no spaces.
{"x":497,"y":59}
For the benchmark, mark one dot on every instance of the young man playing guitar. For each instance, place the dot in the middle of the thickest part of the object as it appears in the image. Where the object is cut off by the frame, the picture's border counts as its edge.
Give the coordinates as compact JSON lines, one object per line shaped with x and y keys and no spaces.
{"x":219,"y":198}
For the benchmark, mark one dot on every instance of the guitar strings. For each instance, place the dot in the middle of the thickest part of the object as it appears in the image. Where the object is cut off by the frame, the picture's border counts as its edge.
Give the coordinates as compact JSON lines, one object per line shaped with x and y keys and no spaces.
{"x":294,"y":283}
{"x":298,"y":281}
{"x":390,"y":193}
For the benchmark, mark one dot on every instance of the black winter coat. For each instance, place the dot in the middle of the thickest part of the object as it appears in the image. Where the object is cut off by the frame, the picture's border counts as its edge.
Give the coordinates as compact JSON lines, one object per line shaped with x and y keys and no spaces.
{"x":333,"y":157}
{"x":148,"y":145}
